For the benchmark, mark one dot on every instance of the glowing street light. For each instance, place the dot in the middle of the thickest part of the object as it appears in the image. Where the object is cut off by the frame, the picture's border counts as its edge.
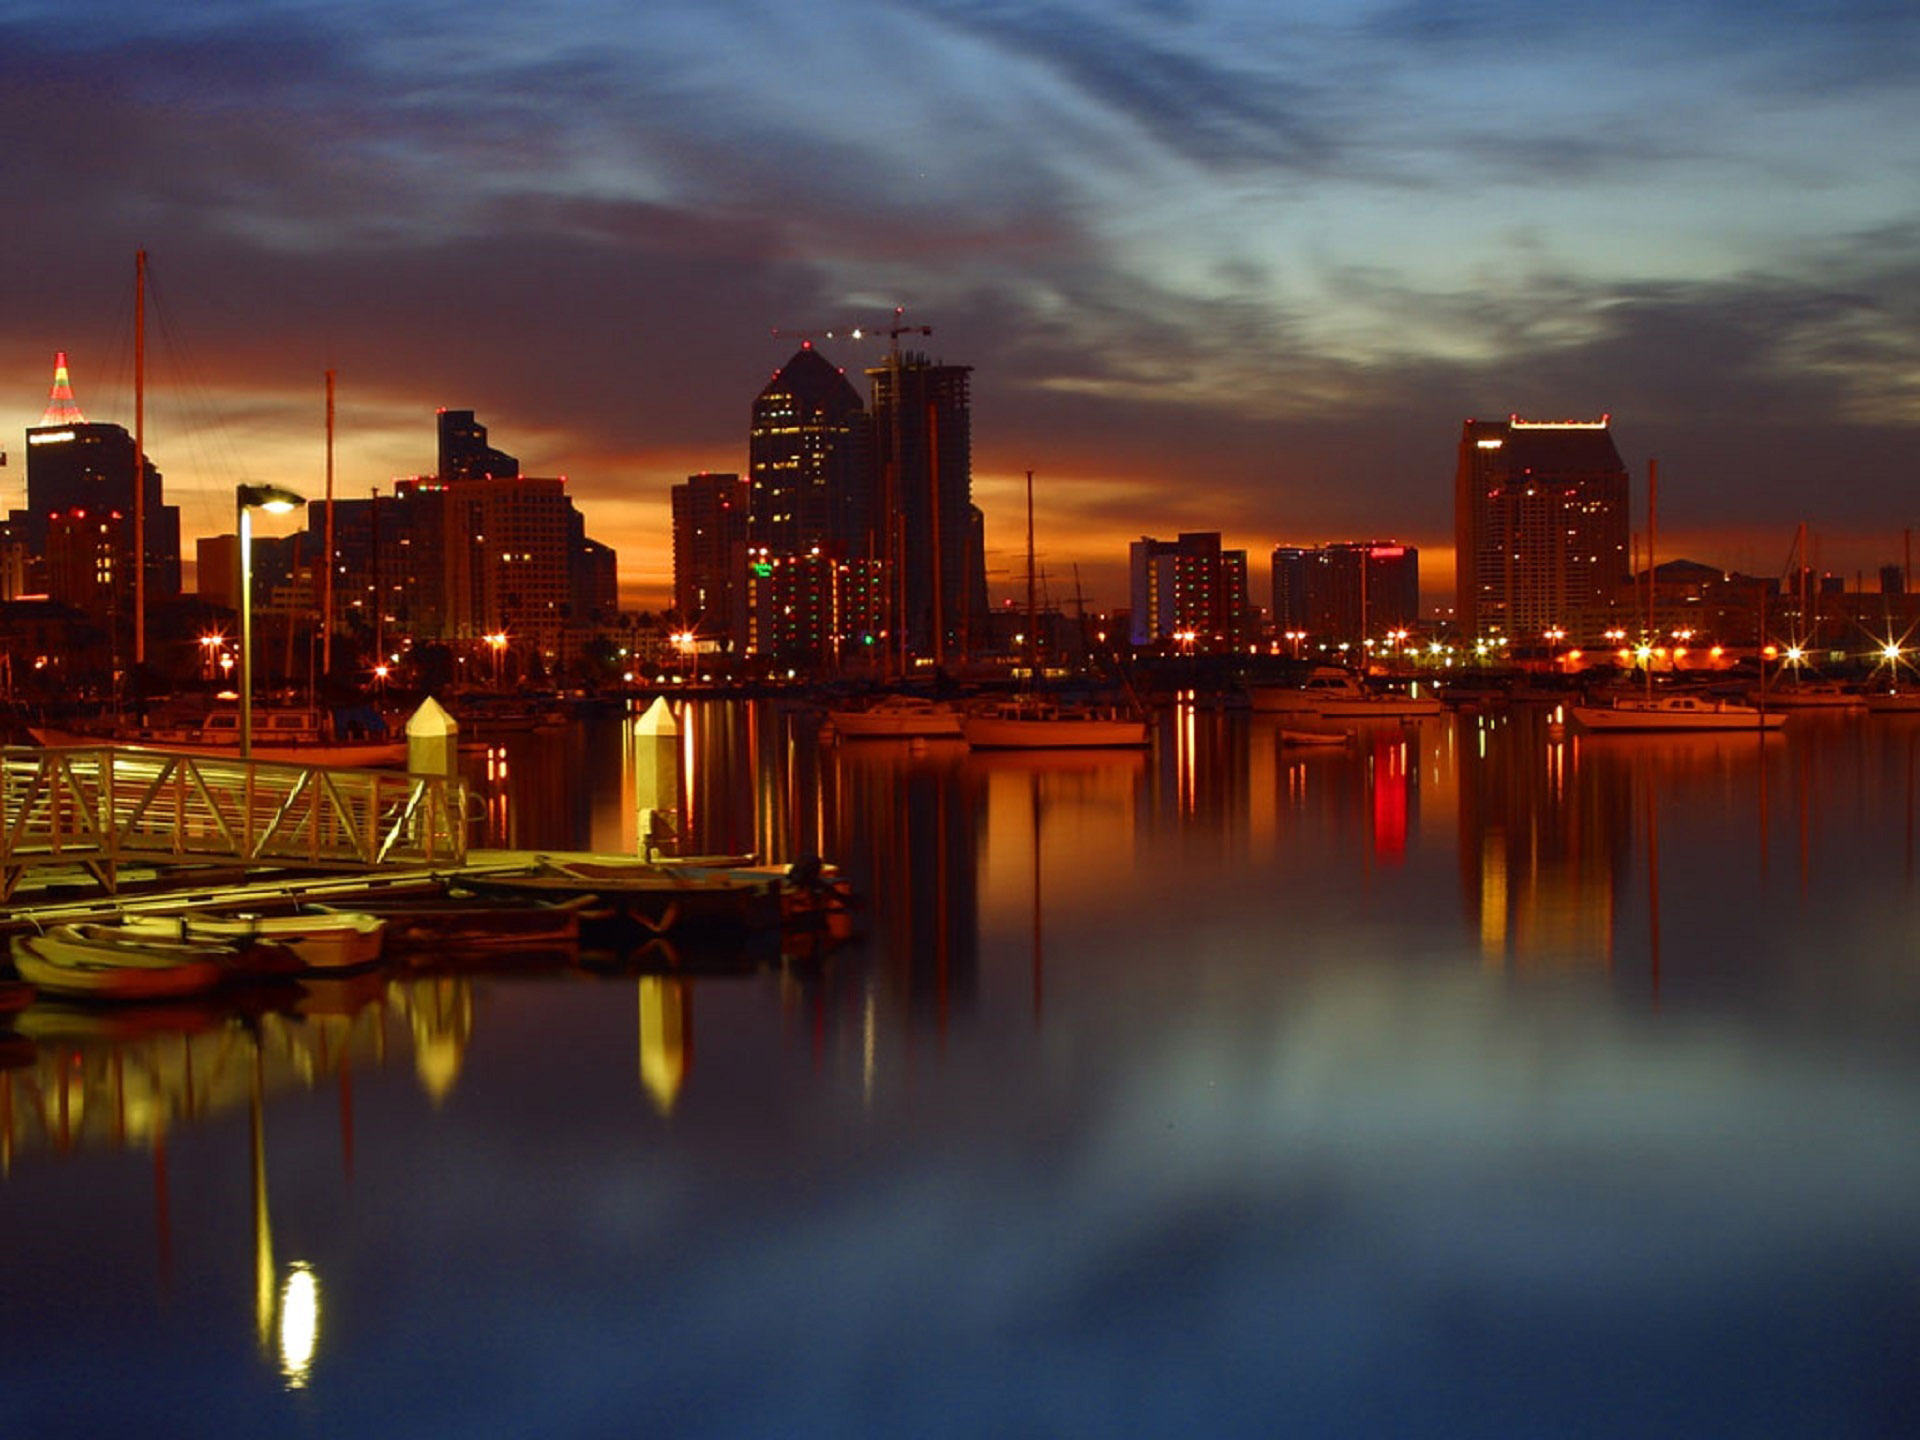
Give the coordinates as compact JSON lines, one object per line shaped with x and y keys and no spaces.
{"x":498,"y":641}
{"x":210,"y":653}
{"x":247,"y":499}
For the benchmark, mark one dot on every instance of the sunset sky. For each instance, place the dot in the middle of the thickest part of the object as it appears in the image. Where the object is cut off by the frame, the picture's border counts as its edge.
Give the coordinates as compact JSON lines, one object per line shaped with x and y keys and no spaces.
{"x":1217,"y":264}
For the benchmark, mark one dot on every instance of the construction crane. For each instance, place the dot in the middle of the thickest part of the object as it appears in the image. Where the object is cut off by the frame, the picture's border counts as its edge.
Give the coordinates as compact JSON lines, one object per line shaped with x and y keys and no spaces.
{"x":893,"y":332}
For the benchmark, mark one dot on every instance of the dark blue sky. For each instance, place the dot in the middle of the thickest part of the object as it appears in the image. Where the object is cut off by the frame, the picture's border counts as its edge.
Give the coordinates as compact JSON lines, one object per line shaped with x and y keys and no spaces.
{"x":1234,"y":265}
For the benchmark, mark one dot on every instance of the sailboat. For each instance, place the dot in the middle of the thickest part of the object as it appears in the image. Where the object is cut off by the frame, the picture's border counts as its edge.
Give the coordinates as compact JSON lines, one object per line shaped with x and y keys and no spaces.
{"x":1682,"y":711}
{"x":1033,"y":721}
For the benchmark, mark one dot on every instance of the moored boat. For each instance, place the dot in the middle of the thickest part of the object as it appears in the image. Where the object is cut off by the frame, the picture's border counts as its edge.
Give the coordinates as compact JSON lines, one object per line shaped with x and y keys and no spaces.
{"x":462,"y":924}
{"x":1674,"y":712}
{"x":1335,"y":693}
{"x":654,"y":898}
{"x":1301,"y":735}
{"x":99,"y":963}
{"x":294,"y":737}
{"x":338,"y":940}
{"x":897,"y":717}
{"x":1892,"y":701}
{"x":1805,"y":695}
{"x":1036,"y":723}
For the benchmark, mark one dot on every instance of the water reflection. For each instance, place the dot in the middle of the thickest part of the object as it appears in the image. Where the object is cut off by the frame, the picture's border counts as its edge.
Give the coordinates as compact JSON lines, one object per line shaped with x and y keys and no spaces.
{"x":1554,"y":836}
{"x":1161,"y":1090}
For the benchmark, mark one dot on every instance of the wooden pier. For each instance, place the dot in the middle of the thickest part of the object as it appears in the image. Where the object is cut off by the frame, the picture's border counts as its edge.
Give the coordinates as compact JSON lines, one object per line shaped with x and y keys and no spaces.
{"x":105,"y":809}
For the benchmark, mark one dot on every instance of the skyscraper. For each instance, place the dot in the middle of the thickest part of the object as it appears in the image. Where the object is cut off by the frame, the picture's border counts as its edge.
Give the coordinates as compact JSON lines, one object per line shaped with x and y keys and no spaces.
{"x":1347,"y":592}
{"x":923,"y":438}
{"x":810,"y":462}
{"x":1540,"y":527}
{"x":465,"y":453}
{"x":84,"y":472}
{"x":710,"y":558}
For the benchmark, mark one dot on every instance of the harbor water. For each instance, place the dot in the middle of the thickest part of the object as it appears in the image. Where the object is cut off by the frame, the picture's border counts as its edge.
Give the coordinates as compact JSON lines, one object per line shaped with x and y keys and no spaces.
{"x":1465,"y":1078}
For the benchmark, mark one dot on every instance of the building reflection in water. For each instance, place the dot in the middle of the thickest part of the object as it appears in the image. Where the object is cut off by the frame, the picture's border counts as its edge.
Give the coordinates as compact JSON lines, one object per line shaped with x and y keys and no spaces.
{"x":1555,"y":836}
{"x":1541,"y":843}
{"x":1559,"y":832}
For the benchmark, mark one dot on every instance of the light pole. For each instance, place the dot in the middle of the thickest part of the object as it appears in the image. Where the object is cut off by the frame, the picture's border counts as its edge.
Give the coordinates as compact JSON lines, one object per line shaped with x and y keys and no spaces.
{"x":247,"y":499}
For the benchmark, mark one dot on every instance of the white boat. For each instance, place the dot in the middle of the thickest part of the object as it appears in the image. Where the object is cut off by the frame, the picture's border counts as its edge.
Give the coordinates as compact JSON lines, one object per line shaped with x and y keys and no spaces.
{"x":898,"y":717}
{"x":333,"y":942}
{"x":1805,"y":695}
{"x":1034,"y":723}
{"x":100,"y":963}
{"x":1674,"y":712}
{"x":1333,"y":692}
{"x":294,"y":737}
{"x":1300,"y":735}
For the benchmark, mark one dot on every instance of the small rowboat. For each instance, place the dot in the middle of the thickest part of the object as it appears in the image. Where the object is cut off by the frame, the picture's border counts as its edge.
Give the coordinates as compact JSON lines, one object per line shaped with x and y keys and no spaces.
{"x":648,"y":898}
{"x":341,"y":940}
{"x":1295,"y":735}
{"x":100,"y":962}
{"x":461,"y":924}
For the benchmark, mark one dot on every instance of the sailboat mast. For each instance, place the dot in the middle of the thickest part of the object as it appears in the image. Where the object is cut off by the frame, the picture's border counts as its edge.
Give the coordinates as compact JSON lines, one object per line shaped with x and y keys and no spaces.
{"x":326,"y":583}
{"x":1653,"y":522}
{"x":1033,"y":614}
{"x":1653,"y":530}
{"x":139,"y":458}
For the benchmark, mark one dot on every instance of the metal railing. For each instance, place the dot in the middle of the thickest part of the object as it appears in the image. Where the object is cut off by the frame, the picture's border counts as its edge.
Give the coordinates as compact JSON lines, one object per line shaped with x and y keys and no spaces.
{"x":105,"y":807}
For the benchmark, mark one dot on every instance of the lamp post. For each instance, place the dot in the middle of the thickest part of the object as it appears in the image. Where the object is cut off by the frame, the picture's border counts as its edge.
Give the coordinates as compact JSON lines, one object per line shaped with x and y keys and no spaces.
{"x":247,"y":499}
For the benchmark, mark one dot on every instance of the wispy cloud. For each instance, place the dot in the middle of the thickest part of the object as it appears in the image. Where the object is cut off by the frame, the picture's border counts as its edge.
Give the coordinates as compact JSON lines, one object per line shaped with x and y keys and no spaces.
{"x":1280,"y":251}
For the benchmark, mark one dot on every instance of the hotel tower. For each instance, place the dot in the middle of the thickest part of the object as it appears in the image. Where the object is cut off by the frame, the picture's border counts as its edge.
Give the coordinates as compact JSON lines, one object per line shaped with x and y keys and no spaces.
{"x":1540,"y":527}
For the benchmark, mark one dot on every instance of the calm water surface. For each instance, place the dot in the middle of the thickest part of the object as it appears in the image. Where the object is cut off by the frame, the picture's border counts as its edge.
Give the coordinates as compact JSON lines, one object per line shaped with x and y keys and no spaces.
{"x":1462,"y":1081}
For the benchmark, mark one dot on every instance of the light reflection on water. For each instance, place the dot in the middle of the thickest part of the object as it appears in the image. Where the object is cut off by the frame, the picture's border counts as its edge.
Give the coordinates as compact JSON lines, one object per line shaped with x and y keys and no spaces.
{"x":1461,"y":1079}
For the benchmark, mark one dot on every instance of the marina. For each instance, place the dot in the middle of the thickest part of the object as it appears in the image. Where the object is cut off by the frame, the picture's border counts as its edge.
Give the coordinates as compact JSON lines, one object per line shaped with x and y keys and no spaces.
{"x":1584,"y":1044}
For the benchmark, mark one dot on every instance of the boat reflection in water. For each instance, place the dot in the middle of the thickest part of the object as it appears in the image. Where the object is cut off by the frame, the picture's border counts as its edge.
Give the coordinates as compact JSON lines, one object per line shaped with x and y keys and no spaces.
{"x":1164,"y":1091}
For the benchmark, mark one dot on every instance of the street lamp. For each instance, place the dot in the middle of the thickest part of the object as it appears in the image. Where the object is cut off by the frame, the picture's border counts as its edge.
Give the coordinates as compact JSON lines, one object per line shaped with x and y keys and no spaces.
{"x":247,"y":499}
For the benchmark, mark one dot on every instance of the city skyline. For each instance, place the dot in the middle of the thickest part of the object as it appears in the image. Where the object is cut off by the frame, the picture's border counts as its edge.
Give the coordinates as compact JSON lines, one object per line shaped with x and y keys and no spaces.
{"x":1211,"y":268}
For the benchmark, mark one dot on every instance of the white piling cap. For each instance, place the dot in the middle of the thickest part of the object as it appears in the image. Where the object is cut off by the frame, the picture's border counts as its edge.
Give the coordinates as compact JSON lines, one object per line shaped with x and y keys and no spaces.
{"x":658,"y":720}
{"x":431,"y":721}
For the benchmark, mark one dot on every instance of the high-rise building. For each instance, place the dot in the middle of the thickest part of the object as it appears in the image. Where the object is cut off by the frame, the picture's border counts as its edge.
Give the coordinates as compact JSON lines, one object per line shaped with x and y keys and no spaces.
{"x":710,"y":558}
{"x":85,"y":473}
{"x":1541,"y":528}
{"x":507,"y":559}
{"x":465,"y":453}
{"x":810,"y":462}
{"x":923,"y":440}
{"x":1347,"y":592}
{"x":1188,"y":587}
{"x":477,"y":550}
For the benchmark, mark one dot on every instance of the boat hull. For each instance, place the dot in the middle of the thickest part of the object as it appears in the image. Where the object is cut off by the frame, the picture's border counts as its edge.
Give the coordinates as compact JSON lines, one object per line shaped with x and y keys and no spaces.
{"x":898,"y":720}
{"x":345,"y":940}
{"x":478,"y":923}
{"x":350,"y":756}
{"x":1648,"y":716}
{"x":1338,"y":694}
{"x":646,"y":899}
{"x":61,"y":962}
